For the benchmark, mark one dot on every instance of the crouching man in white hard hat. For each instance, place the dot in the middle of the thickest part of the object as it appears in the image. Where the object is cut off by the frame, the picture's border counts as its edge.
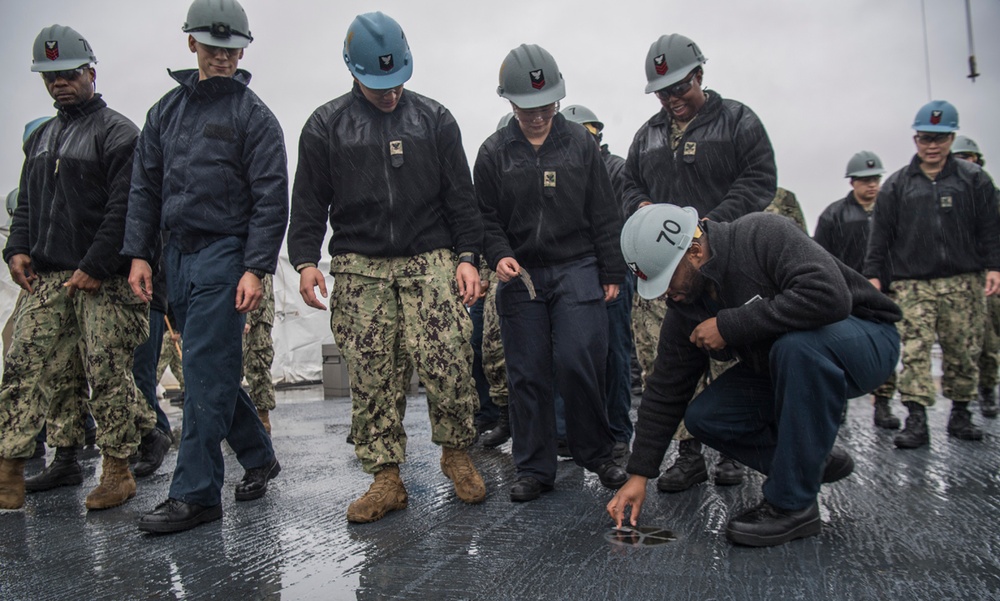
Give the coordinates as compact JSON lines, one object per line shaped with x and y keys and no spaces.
{"x":808,"y":332}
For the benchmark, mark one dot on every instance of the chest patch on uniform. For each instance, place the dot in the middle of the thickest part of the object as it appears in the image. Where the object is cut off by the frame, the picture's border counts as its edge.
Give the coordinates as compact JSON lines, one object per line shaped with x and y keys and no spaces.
{"x":396,"y":147}
{"x":946,"y":202}
{"x":690,"y":148}
{"x":549,"y":179}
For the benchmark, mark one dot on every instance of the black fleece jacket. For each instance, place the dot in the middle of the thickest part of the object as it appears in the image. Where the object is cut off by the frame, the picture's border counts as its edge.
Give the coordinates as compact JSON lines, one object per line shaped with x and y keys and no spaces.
{"x":770,"y":278}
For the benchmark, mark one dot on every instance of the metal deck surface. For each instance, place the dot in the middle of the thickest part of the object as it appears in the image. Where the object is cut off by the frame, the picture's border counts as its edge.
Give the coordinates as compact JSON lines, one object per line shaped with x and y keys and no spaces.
{"x":906,"y":525}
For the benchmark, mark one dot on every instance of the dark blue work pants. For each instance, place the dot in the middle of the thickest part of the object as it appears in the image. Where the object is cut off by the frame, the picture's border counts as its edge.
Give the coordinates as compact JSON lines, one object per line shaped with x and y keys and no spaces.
{"x":202,"y":295}
{"x":558,"y":341}
{"x":147,"y":355}
{"x":488,"y":412}
{"x":784,"y":423}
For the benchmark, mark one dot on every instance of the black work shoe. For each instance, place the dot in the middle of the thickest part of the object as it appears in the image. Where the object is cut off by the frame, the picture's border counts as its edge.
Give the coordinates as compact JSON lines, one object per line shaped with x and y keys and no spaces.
{"x":839,"y":465}
{"x":501,"y":433}
{"x":176,"y":516}
{"x":915,"y":434}
{"x":63,"y":470}
{"x":988,"y":401}
{"x":254,"y":483}
{"x":883,"y":414}
{"x":767,"y":525}
{"x":152,"y":450}
{"x":960,"y":423}
{"x":527,"y":489}
{"x":728,"y":472}
{"x":562,"y":449}
{"x":689,"y":469}
{"x":612,"y":475}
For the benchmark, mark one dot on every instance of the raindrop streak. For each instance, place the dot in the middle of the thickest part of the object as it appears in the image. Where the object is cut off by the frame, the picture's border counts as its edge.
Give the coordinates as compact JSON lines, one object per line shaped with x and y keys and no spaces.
{"x":642,"y":536}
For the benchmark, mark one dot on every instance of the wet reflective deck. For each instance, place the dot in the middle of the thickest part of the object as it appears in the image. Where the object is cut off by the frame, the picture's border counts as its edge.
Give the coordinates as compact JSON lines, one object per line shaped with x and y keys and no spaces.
{"x":906,"y":525}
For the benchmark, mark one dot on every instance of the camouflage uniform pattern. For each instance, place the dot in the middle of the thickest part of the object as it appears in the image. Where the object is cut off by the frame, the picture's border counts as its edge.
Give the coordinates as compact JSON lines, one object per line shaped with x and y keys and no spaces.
{"x":258,"y":350}
{"x":647,"y":318}
{"x":952,"y":311}
{"x":494,"y":365}
{"x":107,"y":326}
{"x":989,"y":360}
{"x":169,"y":357}
{"x":381,"y":305}
{"x":786,"y":205}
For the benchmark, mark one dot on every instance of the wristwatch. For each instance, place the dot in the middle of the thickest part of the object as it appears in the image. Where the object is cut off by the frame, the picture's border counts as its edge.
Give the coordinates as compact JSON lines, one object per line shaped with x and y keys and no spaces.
{"x":470,"y":258}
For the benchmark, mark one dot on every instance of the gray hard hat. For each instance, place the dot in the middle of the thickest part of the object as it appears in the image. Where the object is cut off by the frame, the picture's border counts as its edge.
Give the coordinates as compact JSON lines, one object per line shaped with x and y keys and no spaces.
{"x":220,"y":23}
{"x":654,"y":241}
{"x":864,"y":164}
{"x":12,"y":201}
{"x":670,"y":59}
{"x":60,"y":48}
{"x":965,"y":144}
{"x":577,"y":113}
{"x":530,"y":78}
{"x":504,"y":121}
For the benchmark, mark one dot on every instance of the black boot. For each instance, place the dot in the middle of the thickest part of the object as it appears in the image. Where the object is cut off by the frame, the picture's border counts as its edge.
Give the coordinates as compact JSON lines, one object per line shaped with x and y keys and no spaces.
{"x":883,"y":414}
{"x":960,"y":423}
{"x":914,"y":435}
{"x":152,"y":449}
{"x":689,"y":469}
{"x":64,"y":470}
{"x":501,"y":434}
{"x":728,"y":471}
{"x":988,"y":401}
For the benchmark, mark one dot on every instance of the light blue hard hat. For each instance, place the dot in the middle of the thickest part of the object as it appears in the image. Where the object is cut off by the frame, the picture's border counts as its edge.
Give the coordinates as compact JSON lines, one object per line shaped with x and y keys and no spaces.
{"x":937,"y":116}
{"x":31,"y":126}
{"x":376,"y":51}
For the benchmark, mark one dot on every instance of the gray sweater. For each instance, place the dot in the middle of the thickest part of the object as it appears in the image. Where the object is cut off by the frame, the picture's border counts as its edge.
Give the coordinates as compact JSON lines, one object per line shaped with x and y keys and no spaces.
{"x":770,"y":278}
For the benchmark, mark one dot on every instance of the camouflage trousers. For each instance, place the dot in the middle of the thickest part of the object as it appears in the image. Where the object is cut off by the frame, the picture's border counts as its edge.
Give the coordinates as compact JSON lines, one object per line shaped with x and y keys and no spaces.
{"x":382,"y":305}
{"x":105,"y":327}
{"x":258,"y":350}
{"x":951,"y":311}
{"x":169,"y":357}
{"x":647,"y":318}
{"x":494,"y":365}
{"x":989,"y":360}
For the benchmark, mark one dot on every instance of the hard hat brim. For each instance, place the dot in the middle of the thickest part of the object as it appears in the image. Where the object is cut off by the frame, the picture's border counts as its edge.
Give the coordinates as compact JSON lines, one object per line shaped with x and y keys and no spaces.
{"x":537,"y":99}
{"x":59,"y":65}
{"x":936,"y":129}
{"x":384,"y":82}
{"x":233,"y":41}
{"x":668,"y":80}
{"x":866,"y":173}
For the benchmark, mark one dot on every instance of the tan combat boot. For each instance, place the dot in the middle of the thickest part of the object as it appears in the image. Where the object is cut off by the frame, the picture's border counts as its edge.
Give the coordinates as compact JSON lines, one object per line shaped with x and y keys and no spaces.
{"x":457,"y":465}
{"x":384,"y":495}
{"x":11,"y":483}
{"x":117,"y":485}
{"x":265,"y":418}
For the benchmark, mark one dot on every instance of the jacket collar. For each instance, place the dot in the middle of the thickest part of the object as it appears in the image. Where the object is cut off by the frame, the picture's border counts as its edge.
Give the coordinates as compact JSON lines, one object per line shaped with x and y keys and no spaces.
{"x":557,"y":132}
{"x":75,"y":111}
{"x":374,"y":110}
{"x":949,"y":167}
{"x":213,"y":87}
{"x":712,"y":105}
{"x":718,"y":236}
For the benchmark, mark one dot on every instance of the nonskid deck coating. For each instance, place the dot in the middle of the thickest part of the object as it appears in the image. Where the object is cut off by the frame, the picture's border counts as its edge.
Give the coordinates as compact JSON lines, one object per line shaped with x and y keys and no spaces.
{"x":906,"y":525}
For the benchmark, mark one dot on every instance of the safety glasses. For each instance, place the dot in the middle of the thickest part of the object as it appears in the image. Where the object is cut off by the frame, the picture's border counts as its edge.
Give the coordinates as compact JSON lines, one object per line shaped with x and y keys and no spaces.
{"x":678,"y":89}
{"x":68,"y":75}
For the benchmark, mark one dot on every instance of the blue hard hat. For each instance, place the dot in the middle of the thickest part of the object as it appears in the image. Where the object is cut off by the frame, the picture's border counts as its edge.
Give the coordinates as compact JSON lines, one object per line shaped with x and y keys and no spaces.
{"x":936,"y":116}
{"x":31,"y":126}
{"x":376,"y":51}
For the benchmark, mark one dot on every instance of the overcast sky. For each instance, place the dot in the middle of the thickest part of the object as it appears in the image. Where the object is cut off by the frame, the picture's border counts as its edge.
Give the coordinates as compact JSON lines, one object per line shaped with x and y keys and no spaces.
{"x":827,"y":78}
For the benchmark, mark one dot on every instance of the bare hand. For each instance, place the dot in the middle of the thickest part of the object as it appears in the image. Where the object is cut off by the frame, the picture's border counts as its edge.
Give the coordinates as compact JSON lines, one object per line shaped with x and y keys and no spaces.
{"x":633,"y":494}
{"x":140,"y":278}
{"x":992,"y":282}
{"x":246,"y":328}
{"x":81,"y":281}
{"x":21,"y":271}
{"x":484,"y":287}
{"x":310,"y":278}
{"x":875,"y":282}
{"x":249,"y":293}
{"x":610,"y":292}
{"x":508,"y":269}
{"x":467,"y":277}
{"x":706,"y":336}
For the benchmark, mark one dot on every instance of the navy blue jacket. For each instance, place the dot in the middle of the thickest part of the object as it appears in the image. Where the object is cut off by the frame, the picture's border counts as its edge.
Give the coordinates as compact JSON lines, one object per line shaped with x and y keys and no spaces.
{"x":843,"y":229}
{"x":926,"y":229}
{"x":210,"y":164}
{"x":552,"y":206}
{"x":724,"y":166}
{"x":391,"y":184}
{"x":74,"y":192}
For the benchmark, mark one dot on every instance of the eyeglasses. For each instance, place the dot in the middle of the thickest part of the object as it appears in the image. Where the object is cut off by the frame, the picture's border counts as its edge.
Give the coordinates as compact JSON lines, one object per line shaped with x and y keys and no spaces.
{"x":68,"y":75}
{"x":540,"y":114}
{"x":926,"y":139}
{"x":386,"y":91}
{"x":867,"y":181}
{"x":678,"y":89}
